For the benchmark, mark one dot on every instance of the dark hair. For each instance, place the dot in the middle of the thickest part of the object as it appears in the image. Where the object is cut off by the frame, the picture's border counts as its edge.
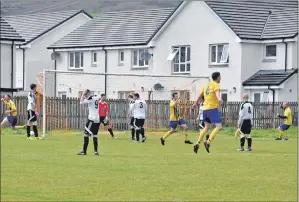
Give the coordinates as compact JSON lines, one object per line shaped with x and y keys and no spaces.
{"x":130,"y":96}
{"x":215,"y":75}
{"x":103,"y":95}
{"x":174,"y":94}
{"x":8,"y":96}
{"x":136,"y":95}
{"x":32,"y":86}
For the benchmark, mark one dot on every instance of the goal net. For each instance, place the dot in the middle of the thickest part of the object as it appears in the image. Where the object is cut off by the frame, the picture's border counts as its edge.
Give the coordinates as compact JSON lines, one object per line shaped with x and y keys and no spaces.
{"x":61,"y":91}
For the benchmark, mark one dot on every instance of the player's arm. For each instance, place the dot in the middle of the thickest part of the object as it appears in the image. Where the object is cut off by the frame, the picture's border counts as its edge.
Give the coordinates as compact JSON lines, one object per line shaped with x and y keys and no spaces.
{"x":199,"y":99}
{"x":173,"y":103}
{"x":131,"y":107}
{"x":83,"y":99}
{"x":12,"y":108}
{"x":284,"y":116}
{"x":241,"y":115}
{"x":217,"y":91}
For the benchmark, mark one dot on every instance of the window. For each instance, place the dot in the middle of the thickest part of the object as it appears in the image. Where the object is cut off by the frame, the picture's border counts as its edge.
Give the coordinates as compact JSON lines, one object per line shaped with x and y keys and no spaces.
{"x":257,"y":97}
{"x":224,"y":97}
{"x":219,"y":54}
{"x":184,"y":95}
{"x":180,"y":57}
{"x":137,"y":60}
{"x":76,"y":60}
{"x":270,"y":51}
{"x":62,"y":95}
{"x":94,"y":57}
{"x":265,"y":97}
{"x":124,"y":94}
{"x":121,"y":57}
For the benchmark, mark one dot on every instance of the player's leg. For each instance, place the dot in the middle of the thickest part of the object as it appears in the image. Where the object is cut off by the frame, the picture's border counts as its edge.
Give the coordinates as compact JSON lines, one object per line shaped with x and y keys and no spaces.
{"x":30,"y":118}
{"x":106,"y":123}
{"x":137,"y":129}
{"x":202,"y":133}
{"x":4,"y":123}
{"x":87,"y":133}
{"x":215,"y":119}
{"x":242,"y":141}
{"x":249,"y":142}
{"x":95,"y":129}
{"x":282,"y":132}
{"x":132,"y":128}
{"x":172,"y":125}
{"x":185,"y":128}
{"x":142,"y":121}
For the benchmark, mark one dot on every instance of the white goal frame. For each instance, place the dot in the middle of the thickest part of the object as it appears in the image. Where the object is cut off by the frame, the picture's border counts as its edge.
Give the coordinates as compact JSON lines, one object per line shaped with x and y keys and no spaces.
{"x":45,"y":71}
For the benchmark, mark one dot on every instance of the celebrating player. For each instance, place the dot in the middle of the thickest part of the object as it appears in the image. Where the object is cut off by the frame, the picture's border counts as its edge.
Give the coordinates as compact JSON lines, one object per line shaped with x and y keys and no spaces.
{"x":140,"y":109}
{"x":103,"y":113}
{"x":245,"y":123}
{"x":211,"y":114}
{"x":287,"y":123}
{"x":32,"y":112}
{"x":131,"y":115}
{"x":11,"y":112}
{"x":175,"y":120}
{"x":93,"y":123}
{"x":200,"y":120}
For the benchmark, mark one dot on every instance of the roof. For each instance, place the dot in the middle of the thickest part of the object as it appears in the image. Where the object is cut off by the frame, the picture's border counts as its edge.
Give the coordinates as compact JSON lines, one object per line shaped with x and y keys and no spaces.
{"x":32,"y":26}
{"x":7,"y":32}
{"x":269,"y":77}
{"x":135,"y":27}
{"x":253,"y":19}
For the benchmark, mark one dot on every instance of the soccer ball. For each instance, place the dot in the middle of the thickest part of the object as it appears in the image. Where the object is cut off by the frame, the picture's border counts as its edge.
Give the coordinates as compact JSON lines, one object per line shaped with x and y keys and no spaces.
{"x":31,"y":133}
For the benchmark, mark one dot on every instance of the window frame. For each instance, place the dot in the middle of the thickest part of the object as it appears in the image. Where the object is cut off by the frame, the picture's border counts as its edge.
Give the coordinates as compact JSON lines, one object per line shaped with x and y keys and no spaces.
{"x":224,"y":93}
{"x":254,"y":97}
{"x":265,"y":51}
{"x":224,"y":59}
{"x":185,"y":94}
{"x":73,"y":60}
{"x":176,"y":59}
{"x":61,"y":94}
{"x":94,"y":53}
{"x":124,"y":93}
{"x":121,"y":60}
{"x":139,"y":52}
{"x":262,"y":96}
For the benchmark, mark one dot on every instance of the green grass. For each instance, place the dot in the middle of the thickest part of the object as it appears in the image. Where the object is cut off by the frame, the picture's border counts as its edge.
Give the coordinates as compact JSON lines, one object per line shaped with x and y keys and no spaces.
{"x":41,"y":170}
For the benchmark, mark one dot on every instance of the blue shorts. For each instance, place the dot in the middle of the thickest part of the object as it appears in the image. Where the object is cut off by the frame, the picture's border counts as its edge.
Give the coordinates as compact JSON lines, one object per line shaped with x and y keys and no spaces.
{"x":211,"y":116}
{"x":12,"y":120}
{"x":284,"y":127}
{"x":174,"y":124}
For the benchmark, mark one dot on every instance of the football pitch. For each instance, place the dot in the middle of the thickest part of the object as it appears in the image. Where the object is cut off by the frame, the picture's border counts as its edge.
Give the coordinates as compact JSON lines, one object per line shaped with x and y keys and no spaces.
{"x":50,"y":170}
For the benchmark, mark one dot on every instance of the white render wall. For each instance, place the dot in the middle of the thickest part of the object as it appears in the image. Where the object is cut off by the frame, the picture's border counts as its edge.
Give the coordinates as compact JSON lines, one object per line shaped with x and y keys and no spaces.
{"x":6,"y":65}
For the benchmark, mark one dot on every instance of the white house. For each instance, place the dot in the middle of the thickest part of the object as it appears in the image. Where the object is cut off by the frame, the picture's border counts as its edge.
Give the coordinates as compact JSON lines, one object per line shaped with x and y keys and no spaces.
{"x":9,"y":39}
{"x":254,"y":49}
{"x":40,"y":30}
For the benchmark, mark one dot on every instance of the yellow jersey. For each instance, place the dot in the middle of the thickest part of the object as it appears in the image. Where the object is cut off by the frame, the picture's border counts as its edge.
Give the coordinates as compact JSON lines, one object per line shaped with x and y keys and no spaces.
{"x":288,"y":114}
{"x":11,"y":106}
{"x":210,"y":99}
{"x":174,"y":116}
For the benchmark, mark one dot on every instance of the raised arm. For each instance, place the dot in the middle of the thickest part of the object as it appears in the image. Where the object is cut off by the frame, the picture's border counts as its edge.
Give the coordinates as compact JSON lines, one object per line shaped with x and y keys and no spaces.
{"x":83,"y":99}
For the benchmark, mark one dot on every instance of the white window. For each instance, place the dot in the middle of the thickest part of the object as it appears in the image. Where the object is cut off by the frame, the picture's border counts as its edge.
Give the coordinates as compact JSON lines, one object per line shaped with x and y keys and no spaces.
{"x":219,"y":54}
{"x":181,"y":58}
{"x":223,"y":96}
{"x":256,"y":97}
{"x":121,"y":57}
{"x":270,"y":51}
{"x":124,"y":94}
{"x":184,"y":95}
{"x":76,"y":60}
{"x":62,"y":95}
{"x":265,"y":97}
{"x":138,"y":61}
{"x":94,"y":57}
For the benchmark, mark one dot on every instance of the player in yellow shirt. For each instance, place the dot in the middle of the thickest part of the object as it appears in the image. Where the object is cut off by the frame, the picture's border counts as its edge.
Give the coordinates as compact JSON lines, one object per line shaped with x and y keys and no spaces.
{"x":175,"y":120}
{"x":211,"y":115}
{"x":11,"y":111}
{"x":288,"y":121}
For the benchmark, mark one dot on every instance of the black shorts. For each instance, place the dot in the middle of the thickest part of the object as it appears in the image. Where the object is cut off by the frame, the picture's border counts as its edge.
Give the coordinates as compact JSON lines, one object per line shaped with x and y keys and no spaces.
{"x":132,"y":121}
{"x":102,"y":118}
{"x":31,"y":116}
{"x":201,"y":124}
{"x":139,"y":122}
{"x":91,"y":128}
{"x":246,"y":127}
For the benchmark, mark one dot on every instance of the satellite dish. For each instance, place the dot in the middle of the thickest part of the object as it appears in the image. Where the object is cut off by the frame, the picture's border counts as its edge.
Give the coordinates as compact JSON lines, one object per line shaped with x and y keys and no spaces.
{"x":55,"y":56}
{"x":158,"y":86}
{"x":146,"y":56}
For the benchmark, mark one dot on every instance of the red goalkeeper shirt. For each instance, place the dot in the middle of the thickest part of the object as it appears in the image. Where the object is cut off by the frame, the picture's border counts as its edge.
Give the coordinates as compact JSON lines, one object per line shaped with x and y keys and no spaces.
{"x":103,"y":109}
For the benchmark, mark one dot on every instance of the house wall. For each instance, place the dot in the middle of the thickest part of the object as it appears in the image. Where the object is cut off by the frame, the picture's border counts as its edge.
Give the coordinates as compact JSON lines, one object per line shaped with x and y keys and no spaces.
{"x":19,"y":68}
{"x":289,"y":92}
{"x":38,"y":57}
{"x":6,"y":65}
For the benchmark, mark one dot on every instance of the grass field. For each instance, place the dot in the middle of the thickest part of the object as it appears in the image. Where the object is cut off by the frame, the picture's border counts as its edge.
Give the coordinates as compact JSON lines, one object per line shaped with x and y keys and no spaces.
{"x":41,"y":170}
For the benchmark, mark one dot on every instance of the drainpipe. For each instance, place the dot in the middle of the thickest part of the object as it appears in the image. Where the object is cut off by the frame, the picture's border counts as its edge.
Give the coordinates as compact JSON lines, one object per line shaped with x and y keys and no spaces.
{"x":273,"y":105}
{"x":106,"y":69}
{"x":55,"y":76}
{"x":285,"y":55}
{"x":12,"y":68}
{"x":23,"y":49}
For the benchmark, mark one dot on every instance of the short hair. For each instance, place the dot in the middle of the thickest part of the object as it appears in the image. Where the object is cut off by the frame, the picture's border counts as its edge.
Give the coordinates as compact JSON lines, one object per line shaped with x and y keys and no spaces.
{"x":215,"y":75}
{"x":174,"y":94}
{"x":130,"y":96}
{"x":103,"y":94}
{"x":32,"y":86}
{"x":136,"y":95}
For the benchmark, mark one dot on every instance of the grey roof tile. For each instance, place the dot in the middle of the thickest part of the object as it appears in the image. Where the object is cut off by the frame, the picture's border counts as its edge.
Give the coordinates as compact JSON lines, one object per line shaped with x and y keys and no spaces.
{"x":117,"y":28}
{"x":269,"y":77}
{"x":7,"y":32}
{"x":251,"y":19}
{"x":32,"y":26}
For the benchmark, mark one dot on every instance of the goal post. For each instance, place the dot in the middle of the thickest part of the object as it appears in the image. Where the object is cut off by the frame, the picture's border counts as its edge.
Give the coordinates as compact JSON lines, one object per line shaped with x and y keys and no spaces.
{"x":69,"y":85}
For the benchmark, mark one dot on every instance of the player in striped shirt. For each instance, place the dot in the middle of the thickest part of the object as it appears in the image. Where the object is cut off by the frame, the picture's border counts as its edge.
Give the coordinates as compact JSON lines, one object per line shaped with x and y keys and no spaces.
{"x":103,"y":113}
{"x":131,"y":115}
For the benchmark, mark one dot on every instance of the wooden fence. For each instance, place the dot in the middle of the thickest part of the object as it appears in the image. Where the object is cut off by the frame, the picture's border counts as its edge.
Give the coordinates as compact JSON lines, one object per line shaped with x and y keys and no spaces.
{"x":69,"y":114}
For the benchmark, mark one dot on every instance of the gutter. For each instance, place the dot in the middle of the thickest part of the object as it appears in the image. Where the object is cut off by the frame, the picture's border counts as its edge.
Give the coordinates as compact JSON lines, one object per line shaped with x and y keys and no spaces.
{"x":273,"y":105}
{"x":97,"y":46}
{"x":285,"y":55}
{"x":12,"y":67}
{"x":106,"y":69}
{"x":23,"y":66}
{"x":55,"y":76}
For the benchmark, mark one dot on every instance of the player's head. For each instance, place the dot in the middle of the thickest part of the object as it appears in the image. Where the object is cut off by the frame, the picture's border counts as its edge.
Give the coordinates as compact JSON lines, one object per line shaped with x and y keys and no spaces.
{"x":87,"y":93}
{"x":103,"y":97}
{"x":33,"y":87}
{"x":285,"y":105}
{"x":136,"y":96}
{"x":245,"y":97}
{"x":175,"y":96}
{"x":7,"y":97}
{"x":216,"y":77}
{"x":130,"y":97}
